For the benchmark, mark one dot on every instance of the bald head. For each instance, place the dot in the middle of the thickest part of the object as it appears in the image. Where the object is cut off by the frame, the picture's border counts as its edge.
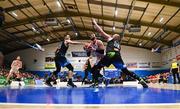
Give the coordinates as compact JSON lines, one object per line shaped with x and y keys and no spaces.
{"x":116,"y":36}
{"x":18,"y":58}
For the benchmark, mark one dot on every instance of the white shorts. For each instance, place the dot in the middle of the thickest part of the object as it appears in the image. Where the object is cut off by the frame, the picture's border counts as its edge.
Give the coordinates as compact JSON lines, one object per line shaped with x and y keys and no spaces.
{"x":14,"y":70}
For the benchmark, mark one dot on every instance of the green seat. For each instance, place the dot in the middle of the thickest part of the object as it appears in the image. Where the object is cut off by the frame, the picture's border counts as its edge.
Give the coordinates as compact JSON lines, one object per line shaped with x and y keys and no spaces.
{"x":2,"y":81}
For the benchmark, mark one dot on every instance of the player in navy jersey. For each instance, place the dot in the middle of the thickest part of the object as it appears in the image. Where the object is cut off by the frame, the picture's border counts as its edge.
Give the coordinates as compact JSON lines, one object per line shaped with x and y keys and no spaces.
{"x":61,"y":61}
{"x":112,"y":56}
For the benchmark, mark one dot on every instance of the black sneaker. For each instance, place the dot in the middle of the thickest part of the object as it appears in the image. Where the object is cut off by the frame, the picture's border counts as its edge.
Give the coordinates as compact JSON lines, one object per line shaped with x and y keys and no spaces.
{"x":54,"y":83}
{"x":71,"y":84}
{"x":143,"y":83}
{"x":48,"y":83}
{"x":82,"y":83}
{"x":20,"y":84}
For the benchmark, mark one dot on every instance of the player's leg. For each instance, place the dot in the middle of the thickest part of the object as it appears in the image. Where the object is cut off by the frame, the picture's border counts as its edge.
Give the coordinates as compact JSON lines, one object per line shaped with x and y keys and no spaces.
{"x":85,"y":76}
{"x":105,"y":61}
{"x":18,"y":77}
{"x":70,"y":75}
{"x":177,"y":75}
{"x":174,"y":76}
{"x":8,"y":77}
{"x":54,"y":74}
{"x":119,"y":64}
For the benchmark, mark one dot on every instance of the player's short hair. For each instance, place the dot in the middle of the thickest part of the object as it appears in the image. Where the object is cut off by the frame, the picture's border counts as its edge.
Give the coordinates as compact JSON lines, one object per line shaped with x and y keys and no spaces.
{"x":92,"y":37}
{"x":67,"y":37}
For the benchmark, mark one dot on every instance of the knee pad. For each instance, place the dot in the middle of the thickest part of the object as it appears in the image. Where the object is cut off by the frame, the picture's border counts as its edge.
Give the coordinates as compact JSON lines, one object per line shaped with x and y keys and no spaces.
{"x":70,"y":67}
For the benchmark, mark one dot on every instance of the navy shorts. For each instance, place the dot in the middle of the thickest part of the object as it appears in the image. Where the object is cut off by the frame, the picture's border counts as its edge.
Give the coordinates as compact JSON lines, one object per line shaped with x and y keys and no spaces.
{"x":116,"y":61}
{"x":61,"y":61}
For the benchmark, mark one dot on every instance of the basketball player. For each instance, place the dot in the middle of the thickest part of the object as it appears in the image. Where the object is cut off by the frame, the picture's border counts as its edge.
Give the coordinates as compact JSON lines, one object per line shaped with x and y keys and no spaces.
{"x":87,"y":68}
{"x":96,"y":46}
{"x":175,"y":71}
{"x":112,"y":56}
{"x":61,"y":61}
{"x":15,"y":66}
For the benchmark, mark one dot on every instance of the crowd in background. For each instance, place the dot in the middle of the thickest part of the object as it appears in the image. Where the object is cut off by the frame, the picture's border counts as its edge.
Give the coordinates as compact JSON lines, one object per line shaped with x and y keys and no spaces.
{"x":156,"y":78}
{"x":24,"y":75}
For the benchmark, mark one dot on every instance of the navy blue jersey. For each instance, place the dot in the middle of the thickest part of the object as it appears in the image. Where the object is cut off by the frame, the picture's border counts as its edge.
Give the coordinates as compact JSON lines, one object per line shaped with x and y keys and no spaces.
{"x":62,"y":50}
{"x":112,"y":44}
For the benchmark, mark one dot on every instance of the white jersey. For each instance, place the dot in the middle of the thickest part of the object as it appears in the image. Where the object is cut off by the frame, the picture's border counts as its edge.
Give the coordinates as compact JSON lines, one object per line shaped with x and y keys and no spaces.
{"x":95,"y":46}
{"x":15,"y":66}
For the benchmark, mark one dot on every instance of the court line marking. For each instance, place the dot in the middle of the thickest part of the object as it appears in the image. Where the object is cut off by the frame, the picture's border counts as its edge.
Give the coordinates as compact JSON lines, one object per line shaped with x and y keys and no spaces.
{"x":87,"y":105}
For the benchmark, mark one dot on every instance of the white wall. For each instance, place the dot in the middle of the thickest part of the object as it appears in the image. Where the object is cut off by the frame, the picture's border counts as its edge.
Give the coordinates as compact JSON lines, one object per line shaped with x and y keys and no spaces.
{"x":170,"y":53}
{"x":129,"y":54}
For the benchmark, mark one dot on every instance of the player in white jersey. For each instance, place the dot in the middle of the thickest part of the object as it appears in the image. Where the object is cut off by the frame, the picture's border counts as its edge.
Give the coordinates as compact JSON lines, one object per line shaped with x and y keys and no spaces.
{"x":98,"y":48}
{"x":15,"y":66}
{"x":95,"y":47}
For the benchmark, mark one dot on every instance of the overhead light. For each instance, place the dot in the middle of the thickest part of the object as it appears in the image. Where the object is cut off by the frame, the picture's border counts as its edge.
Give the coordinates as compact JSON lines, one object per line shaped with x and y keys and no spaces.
{"x":48,"y":39}
{"x":114,"y":28}
{"x":34,"y":29}
{"x":116,"y":12}
{"x":68,"y":21}
{"x":76,"y":34}
{"x":149,"y":33}
{"x":14,"y":14}
{"x":161,"y":19}
{"x":38,"y":47}
{"x":140,"y":44}
{"x":58,"y":3}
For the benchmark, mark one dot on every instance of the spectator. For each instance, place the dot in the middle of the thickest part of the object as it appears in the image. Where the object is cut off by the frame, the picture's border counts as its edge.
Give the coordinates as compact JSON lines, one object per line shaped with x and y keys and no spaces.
{"x":175,"y":71}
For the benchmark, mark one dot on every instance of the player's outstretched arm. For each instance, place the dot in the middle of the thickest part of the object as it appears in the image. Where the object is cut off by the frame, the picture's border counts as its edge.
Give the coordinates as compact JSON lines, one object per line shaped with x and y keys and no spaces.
{"x":100,"y":30}
{"x":75,"y":42}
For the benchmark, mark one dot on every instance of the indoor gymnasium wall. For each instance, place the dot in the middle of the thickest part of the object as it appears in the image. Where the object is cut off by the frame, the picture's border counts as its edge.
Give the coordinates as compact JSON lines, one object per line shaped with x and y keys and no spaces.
{"x":170,"y":53}
{"x":136,"y":58}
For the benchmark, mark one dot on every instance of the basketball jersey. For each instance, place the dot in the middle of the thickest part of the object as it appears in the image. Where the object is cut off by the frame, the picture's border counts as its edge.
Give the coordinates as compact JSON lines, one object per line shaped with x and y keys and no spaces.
{"x":112,"y":44}
{"x":95,"y":46}
{"x":16,"y":64}
{"x":97,"y":50}
{"x":174,"y":65}
{"x":63,"y":49}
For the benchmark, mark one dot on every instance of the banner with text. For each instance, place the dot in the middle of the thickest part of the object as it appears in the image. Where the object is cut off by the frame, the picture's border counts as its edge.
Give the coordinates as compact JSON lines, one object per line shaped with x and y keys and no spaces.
{"x":49,"y":63}
{"x":144,"y":65}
